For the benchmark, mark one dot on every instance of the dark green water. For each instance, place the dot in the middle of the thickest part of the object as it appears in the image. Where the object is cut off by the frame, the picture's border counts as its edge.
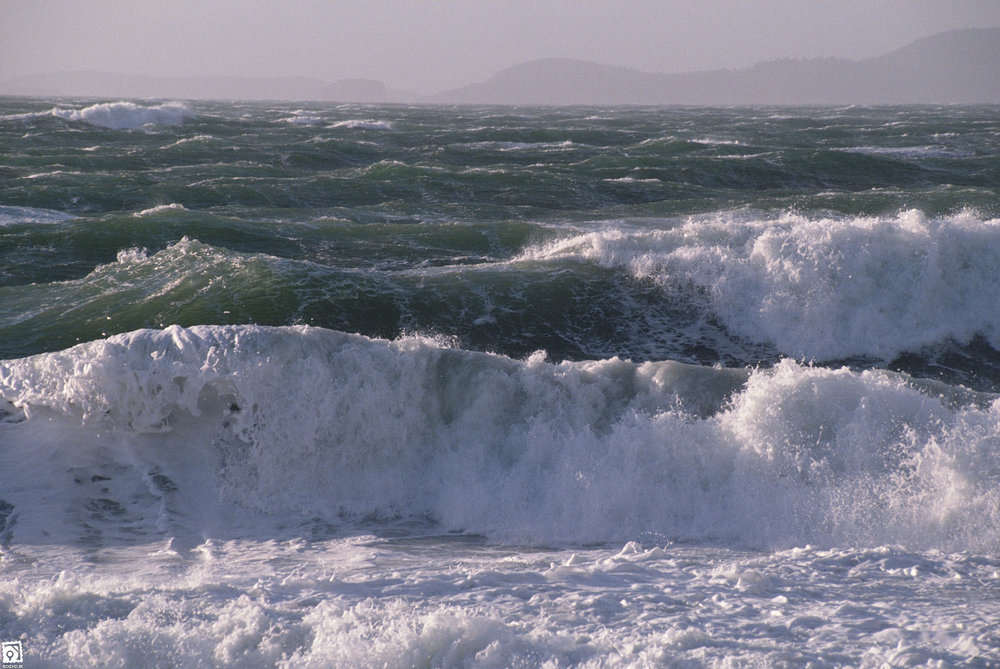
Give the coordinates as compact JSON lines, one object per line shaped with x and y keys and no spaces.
{"x":732,"y":236}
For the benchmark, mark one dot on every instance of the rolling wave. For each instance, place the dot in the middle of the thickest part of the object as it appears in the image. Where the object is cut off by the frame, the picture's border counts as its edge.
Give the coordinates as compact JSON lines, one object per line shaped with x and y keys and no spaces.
{"x":311,"y":423}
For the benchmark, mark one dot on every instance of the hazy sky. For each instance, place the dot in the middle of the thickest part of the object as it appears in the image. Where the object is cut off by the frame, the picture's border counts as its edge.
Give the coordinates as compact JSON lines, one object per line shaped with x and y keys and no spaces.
{"x":428,"y":46}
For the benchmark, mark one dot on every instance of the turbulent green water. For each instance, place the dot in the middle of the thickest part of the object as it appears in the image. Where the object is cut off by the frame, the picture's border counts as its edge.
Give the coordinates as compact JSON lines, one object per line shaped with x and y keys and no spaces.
{"x":552,"y":387}
{"x":388,"y":220}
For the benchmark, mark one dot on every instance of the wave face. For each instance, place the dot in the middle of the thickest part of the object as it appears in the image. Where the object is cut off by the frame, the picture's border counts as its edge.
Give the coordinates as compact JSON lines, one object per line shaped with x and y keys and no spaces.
{"x":314,"y":423}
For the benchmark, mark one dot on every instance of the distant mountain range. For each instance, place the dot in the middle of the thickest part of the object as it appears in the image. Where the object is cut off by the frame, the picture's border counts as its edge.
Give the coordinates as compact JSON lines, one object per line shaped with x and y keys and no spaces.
{"x":960,"y":66}
{"x":955,"y":67}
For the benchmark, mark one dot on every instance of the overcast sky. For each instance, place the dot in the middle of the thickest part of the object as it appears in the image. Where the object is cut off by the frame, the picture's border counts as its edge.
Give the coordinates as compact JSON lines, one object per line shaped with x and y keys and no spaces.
{"x":428,"y":46}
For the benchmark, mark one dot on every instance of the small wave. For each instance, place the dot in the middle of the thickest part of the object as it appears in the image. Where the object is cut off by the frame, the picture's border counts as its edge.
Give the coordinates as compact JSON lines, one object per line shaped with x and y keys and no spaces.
{"x":909,"y":151}
{"x":517,"y":146}
{"x":13,"y":215}
{"x":126,"y":115}
{"x":302,"y":117}
{"x":303,"y":120}
{"x":26,"y":116}
{"x":741,"y":156}
{"x":197,"y":139}
{"x":633,"y":180}
{"x":654,"y":141}
{"x":159,"y":209}
{"x":360,"y":124}
{"x":42,"y":175}
{"x":710,"y":141}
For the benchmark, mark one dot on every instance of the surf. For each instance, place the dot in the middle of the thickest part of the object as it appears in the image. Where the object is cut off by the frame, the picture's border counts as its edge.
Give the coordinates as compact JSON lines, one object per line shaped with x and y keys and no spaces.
{"x":298,"y":422}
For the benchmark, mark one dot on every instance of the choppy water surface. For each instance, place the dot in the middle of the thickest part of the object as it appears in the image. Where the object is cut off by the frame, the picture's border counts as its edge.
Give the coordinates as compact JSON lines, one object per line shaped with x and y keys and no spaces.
{"x":421,"y":386}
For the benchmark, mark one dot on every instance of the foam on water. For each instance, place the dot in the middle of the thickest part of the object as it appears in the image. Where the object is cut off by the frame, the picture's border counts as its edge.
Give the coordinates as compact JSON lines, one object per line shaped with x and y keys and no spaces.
{"x":303,"y":422}
{"x":126,"y":115}
{"x":365,"y":601}
{"x":823,"y":288}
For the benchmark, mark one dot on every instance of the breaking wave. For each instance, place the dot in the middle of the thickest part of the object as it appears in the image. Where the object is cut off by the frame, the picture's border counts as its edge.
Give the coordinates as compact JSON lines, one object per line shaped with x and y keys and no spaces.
{"x":182,"y":424}
{"x":823,"y":288}
{"x":127,"y":115}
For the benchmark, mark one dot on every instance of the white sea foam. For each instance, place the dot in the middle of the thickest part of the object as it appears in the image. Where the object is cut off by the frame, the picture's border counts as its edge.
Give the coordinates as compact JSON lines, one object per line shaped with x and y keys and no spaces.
{"x":822,"y":288}
{"x":312,"y":422}
{"x":439,"y":603}
{"x":127,"y":115}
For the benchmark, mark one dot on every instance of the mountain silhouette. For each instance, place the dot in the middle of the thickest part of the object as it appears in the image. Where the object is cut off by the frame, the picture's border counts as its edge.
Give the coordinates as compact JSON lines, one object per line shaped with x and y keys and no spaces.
{"x":955,"y":67}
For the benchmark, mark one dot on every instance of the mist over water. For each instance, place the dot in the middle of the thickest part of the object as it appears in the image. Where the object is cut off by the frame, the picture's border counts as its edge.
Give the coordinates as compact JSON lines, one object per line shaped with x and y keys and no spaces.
{"x":493,"y":386}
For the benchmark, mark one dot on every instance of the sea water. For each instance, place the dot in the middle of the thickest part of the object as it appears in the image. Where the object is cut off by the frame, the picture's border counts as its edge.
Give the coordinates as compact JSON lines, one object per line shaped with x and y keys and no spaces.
{"x":340,"y":385}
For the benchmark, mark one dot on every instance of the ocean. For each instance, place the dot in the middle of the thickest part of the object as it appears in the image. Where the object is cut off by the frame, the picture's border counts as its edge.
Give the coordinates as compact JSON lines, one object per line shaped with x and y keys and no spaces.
{"x":321,"y":385}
